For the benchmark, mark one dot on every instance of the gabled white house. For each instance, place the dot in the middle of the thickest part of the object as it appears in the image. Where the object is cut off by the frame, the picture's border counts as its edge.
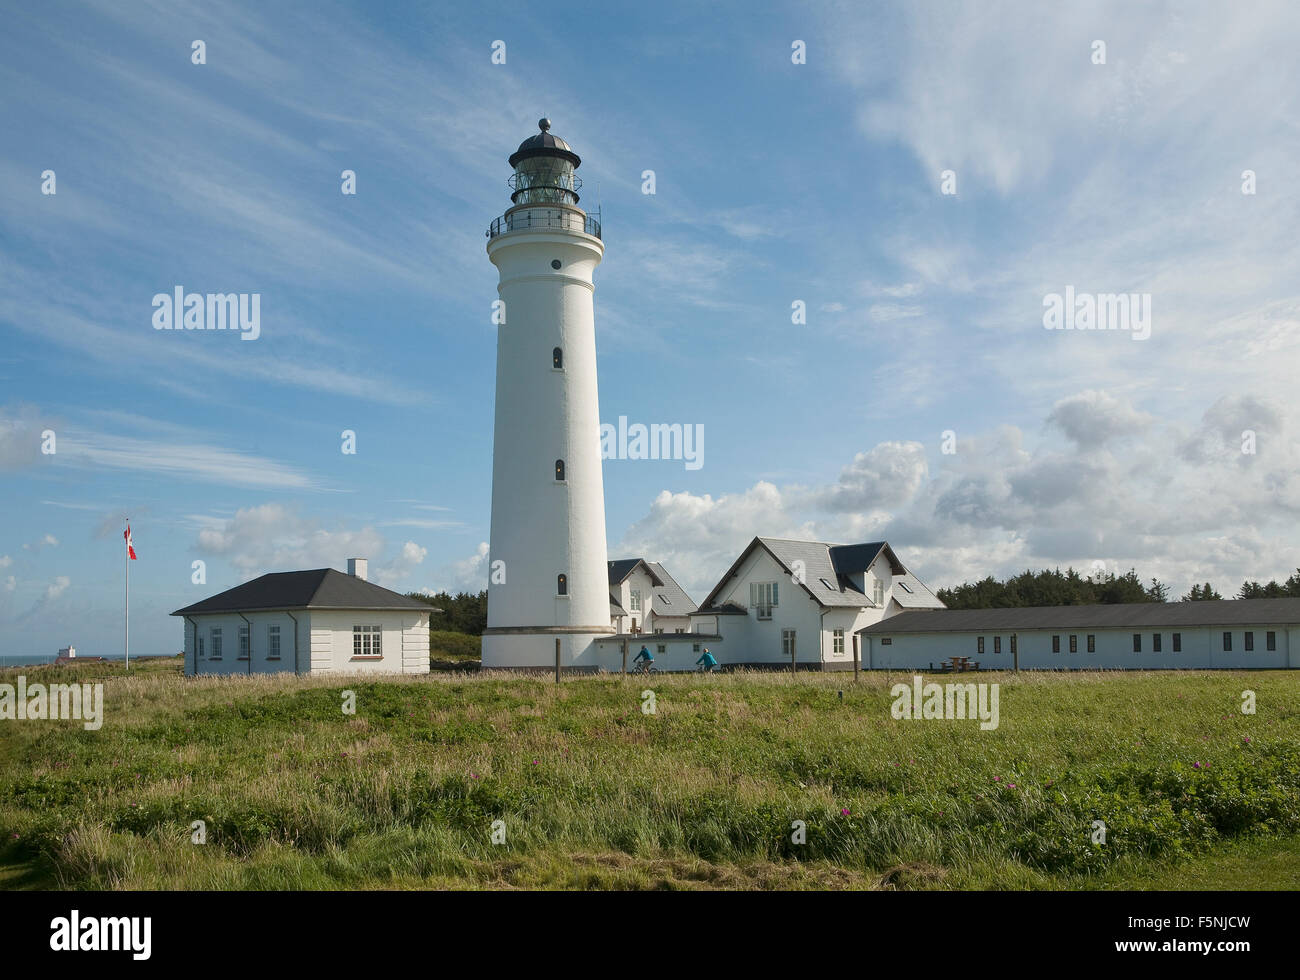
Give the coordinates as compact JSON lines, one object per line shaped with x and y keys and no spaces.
{"x":644,"y":598}
{"x":805,"y":600}
{"x":317,"y":621}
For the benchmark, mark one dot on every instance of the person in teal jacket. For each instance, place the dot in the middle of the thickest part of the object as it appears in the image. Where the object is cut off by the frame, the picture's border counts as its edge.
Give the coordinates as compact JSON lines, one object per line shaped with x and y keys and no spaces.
{"x":644,"y":655}
{"x":706,"y":660}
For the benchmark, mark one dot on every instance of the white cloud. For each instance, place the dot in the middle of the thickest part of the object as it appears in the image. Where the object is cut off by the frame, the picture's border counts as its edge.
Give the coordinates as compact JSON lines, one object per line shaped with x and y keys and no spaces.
{"x":275,"y":538}
{"x":57,"y":587}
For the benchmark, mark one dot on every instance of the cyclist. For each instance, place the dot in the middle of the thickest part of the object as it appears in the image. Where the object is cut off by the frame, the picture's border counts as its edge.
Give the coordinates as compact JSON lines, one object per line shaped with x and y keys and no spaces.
{"x":644,"y":660}
{"x":706,"y":661}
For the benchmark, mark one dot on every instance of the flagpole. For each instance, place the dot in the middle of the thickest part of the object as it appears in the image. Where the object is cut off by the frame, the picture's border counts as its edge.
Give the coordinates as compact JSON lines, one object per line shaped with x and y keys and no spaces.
{"x":126,"y":617}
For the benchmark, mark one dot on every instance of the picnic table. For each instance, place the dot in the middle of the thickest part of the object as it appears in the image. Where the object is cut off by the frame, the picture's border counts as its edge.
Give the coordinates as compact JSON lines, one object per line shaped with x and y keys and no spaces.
{"x":962,"y":664}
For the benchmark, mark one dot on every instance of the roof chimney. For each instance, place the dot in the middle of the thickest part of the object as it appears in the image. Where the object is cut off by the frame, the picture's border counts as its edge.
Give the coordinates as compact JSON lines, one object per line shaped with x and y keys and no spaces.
{"x":357,"y":567}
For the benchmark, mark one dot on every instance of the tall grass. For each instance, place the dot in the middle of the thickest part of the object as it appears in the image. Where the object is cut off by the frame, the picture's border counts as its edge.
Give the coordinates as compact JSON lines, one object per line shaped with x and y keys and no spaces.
{"x":595,"y":793}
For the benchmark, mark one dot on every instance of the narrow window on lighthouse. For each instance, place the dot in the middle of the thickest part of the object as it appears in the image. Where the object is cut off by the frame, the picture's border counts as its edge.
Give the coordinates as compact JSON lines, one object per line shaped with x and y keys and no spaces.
{"x":562,"y":585}
{"x":557,"y":359}
{"x":559,"y":471}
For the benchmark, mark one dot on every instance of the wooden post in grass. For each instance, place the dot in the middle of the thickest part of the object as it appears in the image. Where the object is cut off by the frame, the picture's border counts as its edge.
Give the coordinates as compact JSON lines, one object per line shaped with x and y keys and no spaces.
{"x":856,"y":656}
{"x":557,"y":660}
{"x":624,"y":656}
{"x":1015,"y":654}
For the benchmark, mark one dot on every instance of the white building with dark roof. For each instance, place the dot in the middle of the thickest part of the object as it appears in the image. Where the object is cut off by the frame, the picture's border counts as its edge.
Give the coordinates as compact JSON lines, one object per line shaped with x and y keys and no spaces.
{"x":1239,"y":634}
{"x":802,"y":602}
{"x":309,"y":622}
{"x":644,"y":598}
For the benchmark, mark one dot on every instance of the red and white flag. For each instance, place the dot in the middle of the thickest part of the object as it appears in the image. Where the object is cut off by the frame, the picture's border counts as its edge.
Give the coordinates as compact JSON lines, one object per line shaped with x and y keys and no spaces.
{"x":130,"y":548}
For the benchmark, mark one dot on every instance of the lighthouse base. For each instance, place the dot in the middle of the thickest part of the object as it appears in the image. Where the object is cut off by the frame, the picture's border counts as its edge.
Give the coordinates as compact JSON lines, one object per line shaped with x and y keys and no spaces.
{"x":509,"y":648}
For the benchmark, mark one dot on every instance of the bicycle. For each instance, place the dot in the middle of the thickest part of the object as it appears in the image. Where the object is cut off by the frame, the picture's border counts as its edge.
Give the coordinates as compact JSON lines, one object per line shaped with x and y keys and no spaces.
{"x":645,"y":667}
{"x":708,"y":669}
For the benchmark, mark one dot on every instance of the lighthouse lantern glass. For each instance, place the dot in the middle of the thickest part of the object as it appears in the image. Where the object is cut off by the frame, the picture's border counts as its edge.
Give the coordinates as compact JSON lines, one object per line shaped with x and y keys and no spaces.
{"x":545,"y":180}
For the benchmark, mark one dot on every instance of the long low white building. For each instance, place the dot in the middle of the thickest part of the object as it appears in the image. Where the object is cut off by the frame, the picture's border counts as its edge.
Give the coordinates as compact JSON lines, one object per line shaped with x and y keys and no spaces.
{"x":308,"y":622}
{"x":1223,"y":634}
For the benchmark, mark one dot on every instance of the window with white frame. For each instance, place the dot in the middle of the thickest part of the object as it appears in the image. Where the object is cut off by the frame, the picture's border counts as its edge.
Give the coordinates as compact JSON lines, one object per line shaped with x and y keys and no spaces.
{"x":837,"y":641}
{"x":273,"y":643}
{"x":244,"y":643}
{"x":787,"y":642}
{"x":216,"y":643}
{"x":198,"y":645}
{"x":635,"y":602}
{"x":367,"y":641}
{"x":878,"y":592}
{"x":762,"y":597}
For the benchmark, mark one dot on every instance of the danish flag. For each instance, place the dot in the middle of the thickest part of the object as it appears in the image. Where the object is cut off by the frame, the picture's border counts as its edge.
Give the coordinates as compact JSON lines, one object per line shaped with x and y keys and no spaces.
{"x":130,"y":548}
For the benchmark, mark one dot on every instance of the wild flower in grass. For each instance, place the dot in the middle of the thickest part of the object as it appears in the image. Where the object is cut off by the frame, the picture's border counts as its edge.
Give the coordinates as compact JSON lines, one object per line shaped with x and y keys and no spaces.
{"x":997,"y":779}
{"x":1011,"y":785}
{"x":1246,"y":739}
{"x":844,"y":811}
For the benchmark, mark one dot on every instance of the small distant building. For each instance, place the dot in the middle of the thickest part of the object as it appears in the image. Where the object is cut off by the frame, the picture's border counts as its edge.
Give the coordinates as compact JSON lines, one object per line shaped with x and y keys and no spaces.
{"x":68,"y":652}
{"x":309,"y":622}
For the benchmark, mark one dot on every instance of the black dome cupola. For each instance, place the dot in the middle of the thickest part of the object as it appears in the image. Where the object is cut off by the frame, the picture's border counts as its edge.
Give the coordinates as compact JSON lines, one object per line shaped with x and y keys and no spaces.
{"x":544,"y":170}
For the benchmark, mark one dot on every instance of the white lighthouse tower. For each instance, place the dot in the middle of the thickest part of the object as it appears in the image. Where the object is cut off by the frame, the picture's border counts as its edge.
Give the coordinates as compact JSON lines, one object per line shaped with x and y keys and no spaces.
{"x":548,"y":496}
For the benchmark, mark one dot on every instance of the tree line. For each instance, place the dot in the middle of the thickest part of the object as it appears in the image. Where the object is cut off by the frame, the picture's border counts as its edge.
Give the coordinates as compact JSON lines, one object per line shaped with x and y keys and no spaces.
{"x":1052,"y":587}
{"x":464,"y":612}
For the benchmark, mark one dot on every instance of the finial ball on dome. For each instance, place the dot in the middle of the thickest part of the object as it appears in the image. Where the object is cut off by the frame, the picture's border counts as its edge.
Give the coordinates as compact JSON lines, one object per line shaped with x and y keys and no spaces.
{"x":543,"y":124}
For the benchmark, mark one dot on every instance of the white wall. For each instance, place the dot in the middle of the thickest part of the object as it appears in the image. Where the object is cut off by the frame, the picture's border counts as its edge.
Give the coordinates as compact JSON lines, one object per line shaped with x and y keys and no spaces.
{"x":1201,"y":648}
{"x":405,"y":645}
{"x":679,"y":653}
{"x":231,"y":662}
{"x":324,"y":638}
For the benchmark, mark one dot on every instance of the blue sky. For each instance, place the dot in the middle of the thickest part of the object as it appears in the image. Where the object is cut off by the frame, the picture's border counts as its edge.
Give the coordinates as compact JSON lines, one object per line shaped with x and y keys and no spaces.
{"x":775,"y":182}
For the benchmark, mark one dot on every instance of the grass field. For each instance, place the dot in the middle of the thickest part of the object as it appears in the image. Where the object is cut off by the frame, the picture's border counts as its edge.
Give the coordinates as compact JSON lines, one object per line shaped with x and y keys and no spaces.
{"x":595,"y":793}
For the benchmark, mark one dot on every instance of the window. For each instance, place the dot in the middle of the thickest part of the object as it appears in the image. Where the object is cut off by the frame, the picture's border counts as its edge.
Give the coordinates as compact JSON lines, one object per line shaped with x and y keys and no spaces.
{"x":886,"y":641}
{"x":636,"y":600}
{"x":1178,"y":643}
{"x":828,"y":585}
{"x":762,"y":596}
{"x":660,"y":648}
{"x":555,"y":263}
{"x":664,"y":599}
{"x":367,"y":641}
{"x":679,"y":630}
{"x":1155,"y":643}
{"x":1137,"y":642}
{"x":557,"y":359}
{"x":837,"y":641}
{"x":787,"y":642}
{"x":658,"y":630}
{"x":1056,"y":644}
{"x":198,"y":647}
{"x":243,"y":643}
{"x":559,"y":471}
{"x":695,"y":648}
{"x":1249,"y":643}
{"x":979,"y":644}
{"x":878,"y":592}
{"x":1227,"y":641}
{"x":1270,"y":640}
{"x":997,"y":644}
{"x":1074,"y":643}
{"x":906,"y":588}
{"x":1092,"y":642}
{"x":216,"y":643}
{"x":273,"y":643}
{"x":562,"y":585}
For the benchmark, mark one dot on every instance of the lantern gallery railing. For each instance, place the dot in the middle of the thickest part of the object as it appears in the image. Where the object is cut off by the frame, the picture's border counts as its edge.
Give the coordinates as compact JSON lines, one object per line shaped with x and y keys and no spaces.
{"x":562,"y":218}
